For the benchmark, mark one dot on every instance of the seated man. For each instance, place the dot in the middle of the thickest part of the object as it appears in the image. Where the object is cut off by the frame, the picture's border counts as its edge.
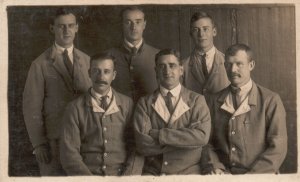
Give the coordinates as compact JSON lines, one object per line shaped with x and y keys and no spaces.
{"x":96,"y":126}
{"x":172,"y":124}
{"x":248,"y":122}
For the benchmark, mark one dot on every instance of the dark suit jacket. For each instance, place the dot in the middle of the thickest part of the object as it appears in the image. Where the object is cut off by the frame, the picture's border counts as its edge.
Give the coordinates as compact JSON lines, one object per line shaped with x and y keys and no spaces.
{"x":48,"y":89}
{"x":135,"y":74}
{"x":194,"y":79}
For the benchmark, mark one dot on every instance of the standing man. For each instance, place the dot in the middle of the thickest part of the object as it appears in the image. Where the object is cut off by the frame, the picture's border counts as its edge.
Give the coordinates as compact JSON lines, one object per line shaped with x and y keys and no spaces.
{"x":135,"y":65}
{"x":96,"y":135}
{"x":56,"y":77}
{"x":204,"y":70}
{"x":173,"y":123}
{"x":248,"y":121}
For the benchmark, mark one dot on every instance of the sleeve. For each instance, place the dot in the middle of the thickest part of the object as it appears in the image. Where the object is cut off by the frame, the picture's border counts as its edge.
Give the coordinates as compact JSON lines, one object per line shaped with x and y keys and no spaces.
{"x":33,"y":100}
{"x":271,"y":159}
{"x":70,"y":142}
{"x":134,"y":163}
{"x":209,"y":158}
{"x":197,"y":134}
{"x":145,"y":144}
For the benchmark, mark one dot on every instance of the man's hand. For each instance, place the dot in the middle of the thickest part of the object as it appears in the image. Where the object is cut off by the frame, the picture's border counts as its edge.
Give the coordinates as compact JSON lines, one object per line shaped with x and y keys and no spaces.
{"x":42,"y":154}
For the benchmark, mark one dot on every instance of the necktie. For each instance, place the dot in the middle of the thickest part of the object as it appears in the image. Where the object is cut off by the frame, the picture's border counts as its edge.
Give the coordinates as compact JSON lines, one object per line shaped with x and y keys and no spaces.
{"x":235,"y":92}
{"x":134,"y":51}
{"x":68,"y":62}
{"x":104,"y":102}
{"x":169,"y":102}
{"x":204,"y":67}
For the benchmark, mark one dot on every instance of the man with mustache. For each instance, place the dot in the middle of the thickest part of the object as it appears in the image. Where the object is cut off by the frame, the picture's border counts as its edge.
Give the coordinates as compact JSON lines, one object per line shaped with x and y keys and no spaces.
{"x":96,"y":138}
{"x":173,"y":123}
{"x":248,"y":122}
{"x":204,"y":70}
{"x":136,"y":75}
{"x":56,"y":77}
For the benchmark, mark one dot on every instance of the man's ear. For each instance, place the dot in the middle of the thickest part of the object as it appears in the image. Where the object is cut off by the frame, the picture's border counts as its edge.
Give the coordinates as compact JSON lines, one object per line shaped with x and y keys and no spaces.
{"x":51,"y":28}
{"x":214,"y":31}
{"x":115,"y":74}
{"x":252,"y":65}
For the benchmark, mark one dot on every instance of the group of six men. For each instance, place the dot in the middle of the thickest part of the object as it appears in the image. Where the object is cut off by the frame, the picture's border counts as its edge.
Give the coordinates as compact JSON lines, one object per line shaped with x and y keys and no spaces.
{"x":136,"y":110}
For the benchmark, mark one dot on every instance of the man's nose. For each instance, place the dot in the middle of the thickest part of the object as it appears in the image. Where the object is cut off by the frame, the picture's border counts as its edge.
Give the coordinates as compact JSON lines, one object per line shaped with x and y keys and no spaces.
{"x":234,"y":68}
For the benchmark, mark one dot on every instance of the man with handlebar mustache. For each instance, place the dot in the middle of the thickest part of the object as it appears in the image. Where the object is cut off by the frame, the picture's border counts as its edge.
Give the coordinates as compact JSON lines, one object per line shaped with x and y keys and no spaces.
{"x":96,"y":137}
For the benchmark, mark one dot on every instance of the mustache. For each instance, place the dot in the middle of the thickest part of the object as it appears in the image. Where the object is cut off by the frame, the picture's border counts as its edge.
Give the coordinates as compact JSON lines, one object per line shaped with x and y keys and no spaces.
{"x":101,"y":82}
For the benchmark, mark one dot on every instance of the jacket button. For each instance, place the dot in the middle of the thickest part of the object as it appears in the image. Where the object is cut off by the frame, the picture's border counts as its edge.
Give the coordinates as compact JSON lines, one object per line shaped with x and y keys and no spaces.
{"x":104,"y":167}
{"x":165,"y":163}
{"x":103,"y":117}
{"x":233,"y":164}
{"x":233,"y":132}
{"x":105,"y":141}
{"x":233,"y":149}
{"x":131,"y":68}
{"x":233,"y":118}
{"x":105,"y":154}
{"x":104,"y":128}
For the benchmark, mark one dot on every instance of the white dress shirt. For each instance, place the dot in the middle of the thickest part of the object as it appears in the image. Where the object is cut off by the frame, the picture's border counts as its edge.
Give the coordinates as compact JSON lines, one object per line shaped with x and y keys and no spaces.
{"x":96,"y":100}
{"x":210,"y":55}
{"x":60,"y":50}
{"x":129,"y":45}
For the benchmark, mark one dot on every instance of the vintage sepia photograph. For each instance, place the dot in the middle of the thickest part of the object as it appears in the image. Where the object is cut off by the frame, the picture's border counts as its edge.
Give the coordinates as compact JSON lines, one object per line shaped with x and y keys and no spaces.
{"x":151,"y":89}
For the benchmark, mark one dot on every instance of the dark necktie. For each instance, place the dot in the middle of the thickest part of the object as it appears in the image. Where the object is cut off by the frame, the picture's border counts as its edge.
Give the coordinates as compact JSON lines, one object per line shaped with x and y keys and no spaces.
{"x":204,"y":67}
{"x":104,"y":103}
{"x":235,"y":92}
{"x":68,"y":62}
{"x":169,"y":102}
{"x":134,"y":51}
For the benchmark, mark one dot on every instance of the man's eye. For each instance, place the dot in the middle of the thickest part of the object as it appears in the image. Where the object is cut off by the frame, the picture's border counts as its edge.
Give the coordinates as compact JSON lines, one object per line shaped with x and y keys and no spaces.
{"x":72,"y":25}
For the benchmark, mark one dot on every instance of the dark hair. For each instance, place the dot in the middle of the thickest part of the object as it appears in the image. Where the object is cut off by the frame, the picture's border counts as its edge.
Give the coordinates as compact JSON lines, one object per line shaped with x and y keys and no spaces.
{"x":60,"y":12}
{"x":198,"y":15}
{"x":164,"y":52}
{"x":233,"y":49}
{"x":102,"y":56}
{"x":132,"y":8}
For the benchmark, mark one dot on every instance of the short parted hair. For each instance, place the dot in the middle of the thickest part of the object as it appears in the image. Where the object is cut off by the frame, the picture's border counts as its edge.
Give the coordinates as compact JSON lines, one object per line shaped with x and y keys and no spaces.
{"x":61,"y":12}
{"x":132,"y":8}
{"x":201,"y":14}
{"x":164,"y":52}
{"x":233,"y":49}
{"x":102,"y":56}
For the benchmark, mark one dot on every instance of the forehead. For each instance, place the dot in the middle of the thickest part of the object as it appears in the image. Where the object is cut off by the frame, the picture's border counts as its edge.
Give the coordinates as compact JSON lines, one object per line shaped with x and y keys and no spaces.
{"x":102,"y":63}
{"x":133,"y":14}
{"x":167,"y":59}
{"x":65,"y":19}
{"x":202,"y":22}
{"x":240,"y":56}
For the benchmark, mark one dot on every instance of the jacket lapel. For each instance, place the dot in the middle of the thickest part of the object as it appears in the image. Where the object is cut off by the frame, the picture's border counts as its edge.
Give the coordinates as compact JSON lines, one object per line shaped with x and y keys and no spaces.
{"x":181,"y":107}
{"x":227,"y":105}
{"x":58,"y":64}
{"x":113,"y":106}
{"x":215,"y":67}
